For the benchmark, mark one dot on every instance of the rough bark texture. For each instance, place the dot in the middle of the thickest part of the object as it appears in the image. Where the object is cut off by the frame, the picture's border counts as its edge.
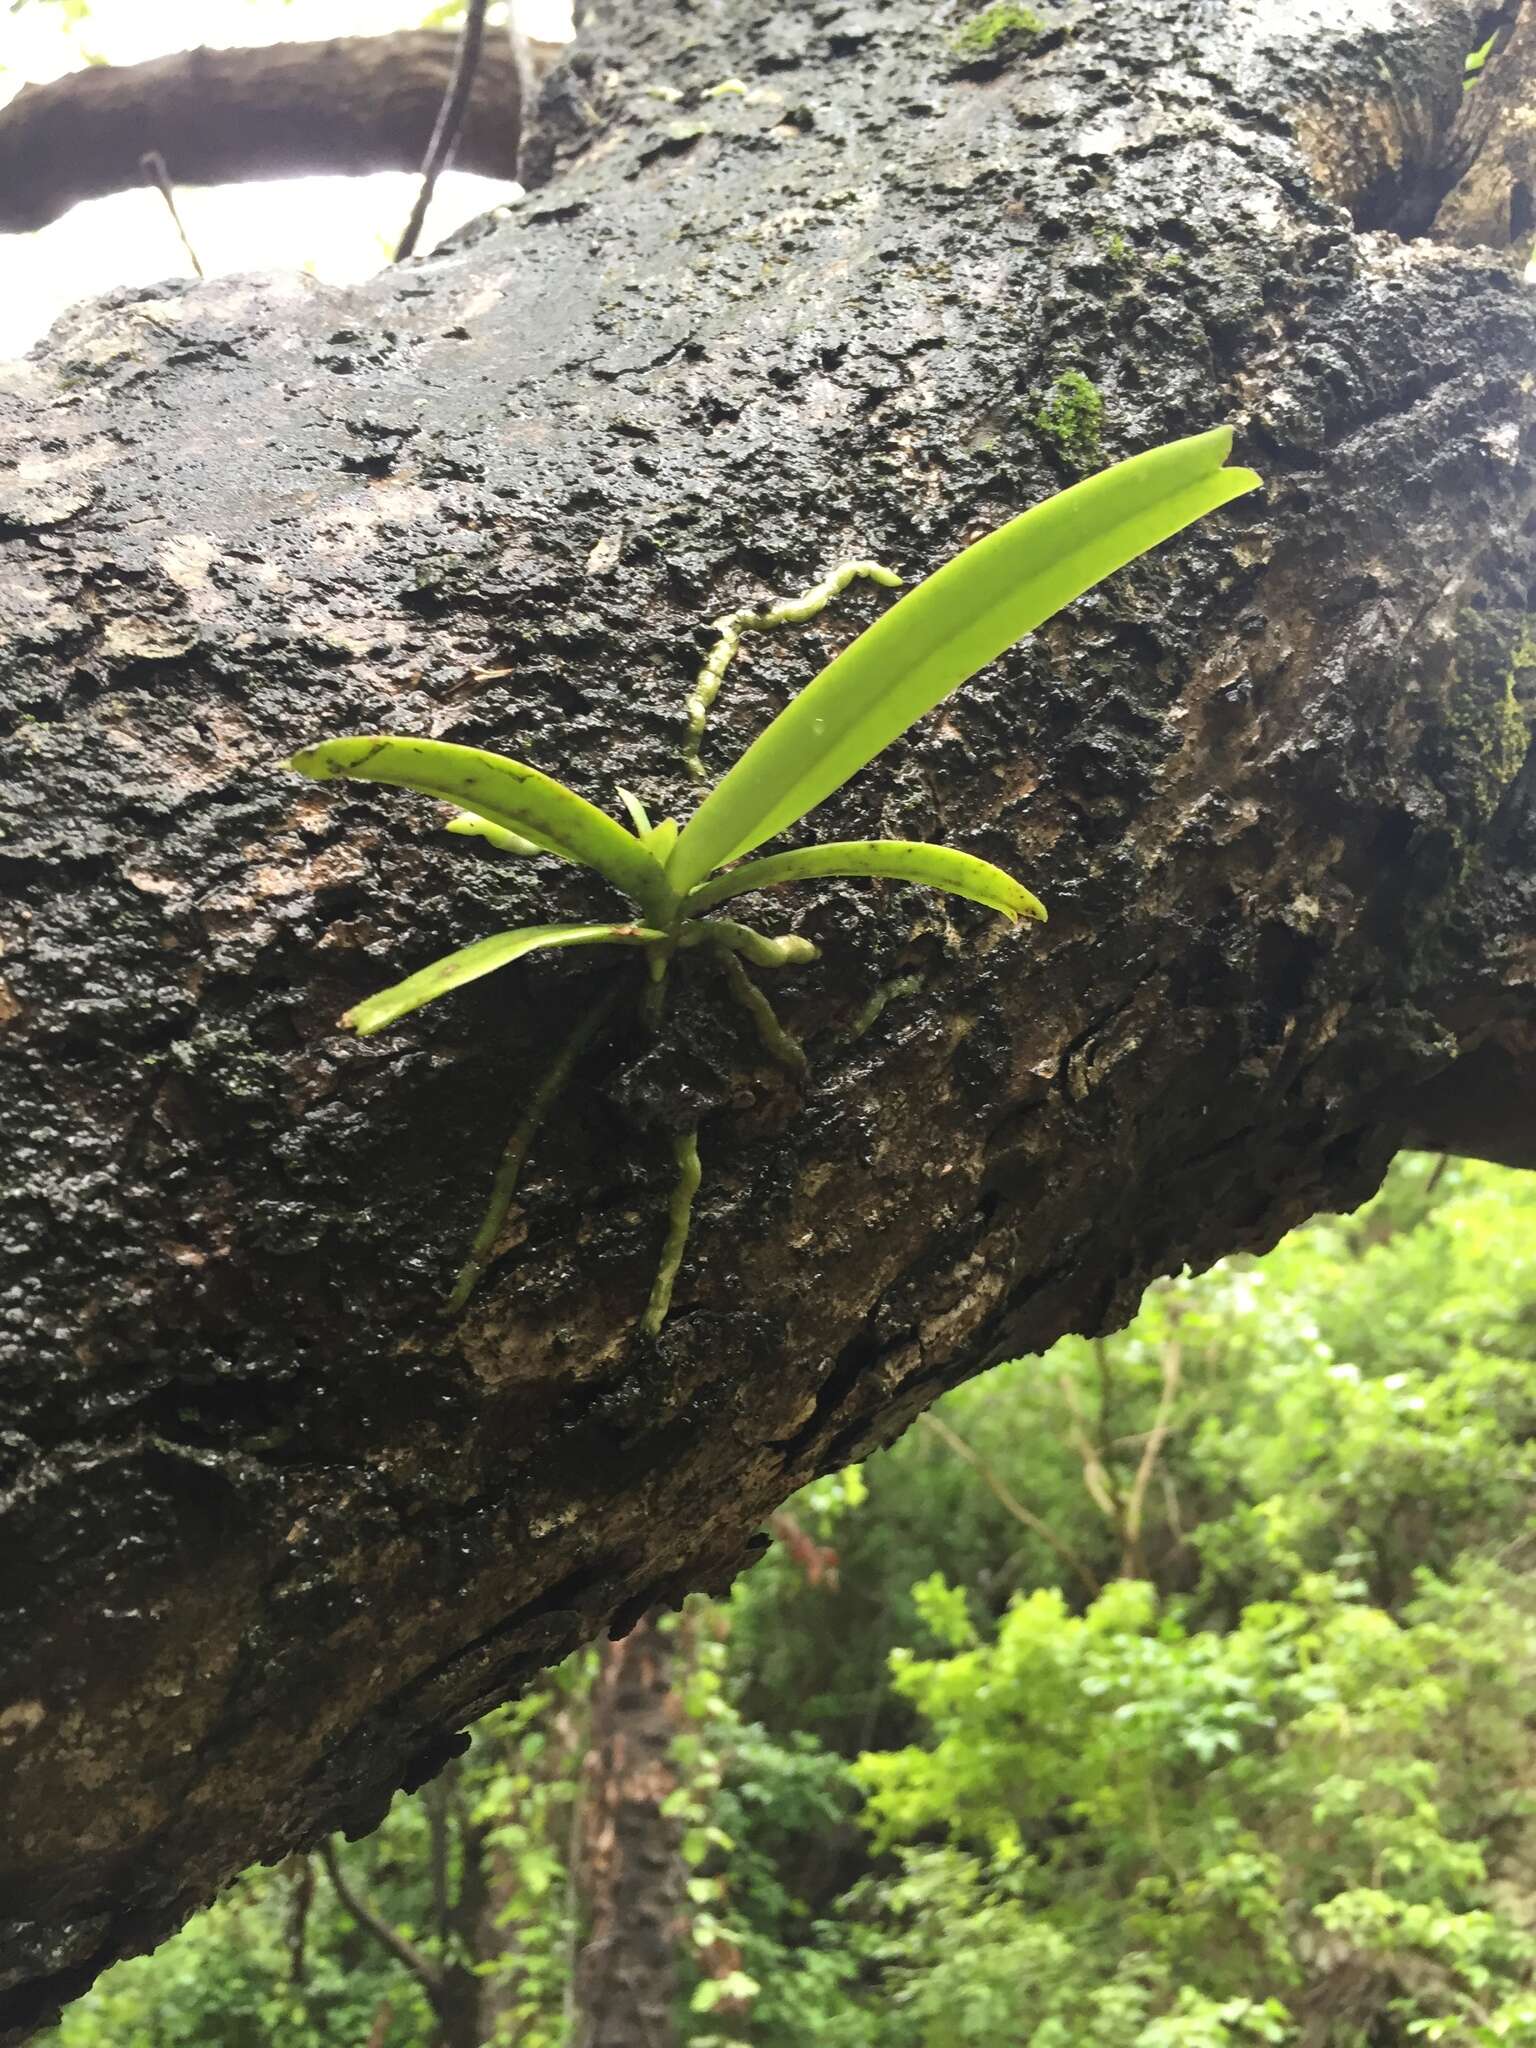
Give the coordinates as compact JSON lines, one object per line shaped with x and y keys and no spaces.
{"x":353,"y":104}
{"x":272,"y":1528}
{"x":628,"y":1879}
{"x":1489,"y":181}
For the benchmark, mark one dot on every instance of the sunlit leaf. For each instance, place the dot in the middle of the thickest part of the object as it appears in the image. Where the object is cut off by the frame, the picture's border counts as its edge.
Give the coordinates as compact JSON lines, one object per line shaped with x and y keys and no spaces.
{"x":506,"y":793}
{"x":453,"y":970}
{"x":897,"y":860}
{"x":951,"y":625}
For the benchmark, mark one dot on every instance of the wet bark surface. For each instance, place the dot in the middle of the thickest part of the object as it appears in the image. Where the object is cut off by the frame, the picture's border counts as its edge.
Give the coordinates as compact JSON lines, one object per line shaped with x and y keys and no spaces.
{"x":273,"y":1529}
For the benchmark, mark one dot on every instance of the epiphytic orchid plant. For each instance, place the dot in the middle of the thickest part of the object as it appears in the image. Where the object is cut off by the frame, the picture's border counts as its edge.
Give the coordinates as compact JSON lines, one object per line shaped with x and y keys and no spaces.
{"x":929,"y":643}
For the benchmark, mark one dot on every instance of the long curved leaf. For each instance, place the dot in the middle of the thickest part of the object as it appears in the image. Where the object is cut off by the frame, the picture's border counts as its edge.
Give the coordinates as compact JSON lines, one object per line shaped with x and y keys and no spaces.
{"x":468,"y":826}
{"x":507,"y":793}
{"x":941,"y":633}
{"x":374,"y":1013}
{"x":897,"y":860}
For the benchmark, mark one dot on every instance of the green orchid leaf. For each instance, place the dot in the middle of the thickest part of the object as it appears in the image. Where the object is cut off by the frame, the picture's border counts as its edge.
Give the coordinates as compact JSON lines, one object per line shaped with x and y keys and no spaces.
{"x":658,"y":839}
{"x":661,"y":839}
{"x":637,"y":813}
{"x":941,"y":633}
{"x":897,"y":860}
{"x":470,"y":827}
{"x":506,"y":793}
{"x":374,"y":1013}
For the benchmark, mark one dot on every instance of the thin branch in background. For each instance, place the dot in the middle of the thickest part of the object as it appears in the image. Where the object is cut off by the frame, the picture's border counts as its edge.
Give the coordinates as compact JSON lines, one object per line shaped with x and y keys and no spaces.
{"x":1171,"y":1507}
{"x":434,"y":1799}
{"x":818,"y":1561}
{"x":450,"y":120}
{"x":421,"y":1967}
{"x":579,"y":1719}
{"x":1434,"y":1179}
{"x":1100,"y":1490}
{"x":152,"y":163}
{"x":1131,"y":1563}
{"x":1016,"y":1508}
{"x":301,"y":1896}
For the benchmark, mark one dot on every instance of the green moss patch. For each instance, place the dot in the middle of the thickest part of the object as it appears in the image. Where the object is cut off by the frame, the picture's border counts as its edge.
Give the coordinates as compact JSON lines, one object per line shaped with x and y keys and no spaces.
{"x":1073,"y":417}
{"x":992,"y":32}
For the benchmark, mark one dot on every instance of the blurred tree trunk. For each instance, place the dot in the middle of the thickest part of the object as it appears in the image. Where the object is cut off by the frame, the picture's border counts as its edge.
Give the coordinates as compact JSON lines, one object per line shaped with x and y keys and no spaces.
{"x":349,"y":105}
{"x":273,"y":1527}
{"x":629,"y":1873}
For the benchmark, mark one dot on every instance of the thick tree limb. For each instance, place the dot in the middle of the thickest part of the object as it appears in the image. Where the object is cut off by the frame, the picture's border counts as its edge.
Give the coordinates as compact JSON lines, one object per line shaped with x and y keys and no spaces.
{"x":354,"y":104}
{"x":272,"y":1527}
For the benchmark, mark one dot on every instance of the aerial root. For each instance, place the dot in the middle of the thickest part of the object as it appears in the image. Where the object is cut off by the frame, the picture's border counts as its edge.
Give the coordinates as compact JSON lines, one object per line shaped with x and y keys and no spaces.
{"x":504,"y":1187}
{"x":788,"y":951}
{"x":793,"y":612}
{"x":778,"y":1043}
{"x":887,"y":992}
{"x":685,"y":1150}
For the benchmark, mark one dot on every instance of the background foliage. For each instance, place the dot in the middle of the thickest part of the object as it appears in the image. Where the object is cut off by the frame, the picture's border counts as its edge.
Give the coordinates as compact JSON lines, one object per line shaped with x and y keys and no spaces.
{"x":1170,"y":1691}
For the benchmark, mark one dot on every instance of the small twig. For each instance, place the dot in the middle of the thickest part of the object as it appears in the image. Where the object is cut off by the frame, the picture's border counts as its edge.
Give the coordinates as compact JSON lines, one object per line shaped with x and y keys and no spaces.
{"x":519,"y":1144}
{"x":679,"y":1212}
{"x":449,"y":123}
{"x":1095,"y":1477}
{"x":421,"y":1967}
{"x":1016,"y":1508}
{"x":1131,"y":1559}
{"x":1171,"y":1506}
{"x":152,"y":163}
{"x":818,"y":1561}
{"x":434,"y":1799}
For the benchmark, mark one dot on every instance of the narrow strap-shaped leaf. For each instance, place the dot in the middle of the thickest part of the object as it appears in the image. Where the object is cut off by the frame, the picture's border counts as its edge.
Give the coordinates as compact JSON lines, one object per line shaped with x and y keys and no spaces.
{"x":897,"y":860}
{"x":941,"y":633}
{"x":638,"y":816}
{"x":507,"y":793}
{"x":661,"y":839}
{"x":468,"y":826}
{"x":453,"y":970}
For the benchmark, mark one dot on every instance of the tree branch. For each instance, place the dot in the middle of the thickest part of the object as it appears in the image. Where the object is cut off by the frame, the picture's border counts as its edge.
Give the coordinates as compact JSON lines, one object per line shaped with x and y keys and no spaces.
{"x":406,"y":1953}
{"x":350,"y":105}
{"x":1031,"y":1521}
{"x":1131,"y":1564}
{"x":273,"y":1526}
{"x":449,"y":124}
{"x":1484,"y":1105}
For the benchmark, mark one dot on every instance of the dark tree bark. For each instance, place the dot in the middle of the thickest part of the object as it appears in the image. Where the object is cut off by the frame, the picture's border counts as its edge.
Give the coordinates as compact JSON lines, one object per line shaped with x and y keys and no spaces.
{"x":353,"y":104}
{"x":272,"y":1527}
{"x":628,"y":1880}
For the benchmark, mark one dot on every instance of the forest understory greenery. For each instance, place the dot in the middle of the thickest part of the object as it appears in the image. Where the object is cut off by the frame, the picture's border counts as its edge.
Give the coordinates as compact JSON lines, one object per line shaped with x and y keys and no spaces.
{"x":1169,"y":1691}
